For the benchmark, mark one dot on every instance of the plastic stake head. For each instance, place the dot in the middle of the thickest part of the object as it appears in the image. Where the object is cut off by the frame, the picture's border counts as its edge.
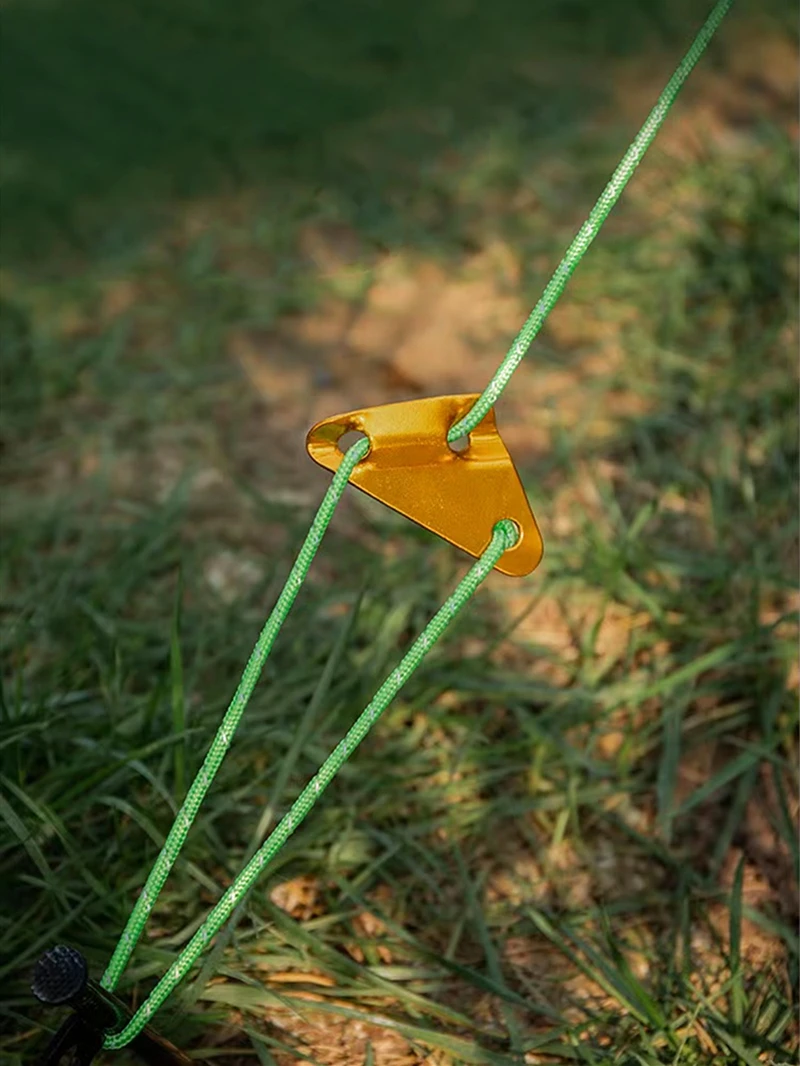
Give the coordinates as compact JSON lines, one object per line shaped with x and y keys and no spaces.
{"x":60,"y":976}
{"x":460,"y":495}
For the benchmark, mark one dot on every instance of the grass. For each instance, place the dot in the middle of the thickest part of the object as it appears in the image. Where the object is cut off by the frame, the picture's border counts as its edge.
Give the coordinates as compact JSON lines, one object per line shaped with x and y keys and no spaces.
{"x":572,"y":838}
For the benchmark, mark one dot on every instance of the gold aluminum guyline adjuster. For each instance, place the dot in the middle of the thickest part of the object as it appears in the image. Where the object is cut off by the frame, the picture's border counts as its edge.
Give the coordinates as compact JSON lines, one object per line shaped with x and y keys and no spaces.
{"x":411,"y":468}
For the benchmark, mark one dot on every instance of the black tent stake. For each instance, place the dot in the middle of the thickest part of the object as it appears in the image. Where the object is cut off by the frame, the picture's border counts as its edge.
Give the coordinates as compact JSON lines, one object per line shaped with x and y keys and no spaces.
{"x":61,"y":979}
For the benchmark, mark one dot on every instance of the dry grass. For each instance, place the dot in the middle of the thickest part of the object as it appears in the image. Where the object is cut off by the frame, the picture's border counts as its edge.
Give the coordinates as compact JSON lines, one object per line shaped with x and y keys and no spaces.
{"x":572,"y":842}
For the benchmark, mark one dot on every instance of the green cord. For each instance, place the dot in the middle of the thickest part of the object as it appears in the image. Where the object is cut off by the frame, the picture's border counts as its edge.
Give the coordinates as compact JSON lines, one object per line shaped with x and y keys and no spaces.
{"x":589,"y":230}
{"x":503,"y":538}
{"x":216,"y":753}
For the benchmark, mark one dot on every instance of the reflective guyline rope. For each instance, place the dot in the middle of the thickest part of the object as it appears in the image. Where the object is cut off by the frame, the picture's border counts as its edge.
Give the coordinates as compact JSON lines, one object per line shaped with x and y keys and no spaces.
{"x":221,"y":743}
{"x":589,"y":230}
{"x":504,"y":537}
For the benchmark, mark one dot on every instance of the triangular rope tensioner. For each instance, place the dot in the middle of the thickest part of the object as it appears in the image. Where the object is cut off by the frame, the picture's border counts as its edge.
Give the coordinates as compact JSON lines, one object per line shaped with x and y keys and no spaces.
{"x":411,"y":468}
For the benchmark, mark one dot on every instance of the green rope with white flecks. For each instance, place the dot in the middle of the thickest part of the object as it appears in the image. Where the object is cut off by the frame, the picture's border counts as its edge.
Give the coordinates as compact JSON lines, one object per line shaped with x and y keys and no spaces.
{"x":221,"y":743}
{"x":589,"y":230}
{"x":504,"y":537}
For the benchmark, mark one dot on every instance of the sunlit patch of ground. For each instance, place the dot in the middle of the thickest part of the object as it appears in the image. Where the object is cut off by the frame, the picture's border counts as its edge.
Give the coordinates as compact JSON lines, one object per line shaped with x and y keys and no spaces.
{"x":388,"y":326}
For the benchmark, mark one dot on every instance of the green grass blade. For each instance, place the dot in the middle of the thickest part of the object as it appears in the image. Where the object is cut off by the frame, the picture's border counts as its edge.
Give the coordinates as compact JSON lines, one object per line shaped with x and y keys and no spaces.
{"x":668,"y":767}
{"x":735,"y":768}
{"x":737,"y":997}
{"x":178,"y":696}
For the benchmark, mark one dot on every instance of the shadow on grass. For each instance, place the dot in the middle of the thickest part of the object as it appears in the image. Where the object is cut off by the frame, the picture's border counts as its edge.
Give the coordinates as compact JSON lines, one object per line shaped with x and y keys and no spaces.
{"x":111,"y":113}
{"x":89,"y":593}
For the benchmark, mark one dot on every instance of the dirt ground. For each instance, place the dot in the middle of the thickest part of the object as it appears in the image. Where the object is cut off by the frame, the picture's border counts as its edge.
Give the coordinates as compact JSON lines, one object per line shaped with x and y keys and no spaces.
{"x":421,"y":328}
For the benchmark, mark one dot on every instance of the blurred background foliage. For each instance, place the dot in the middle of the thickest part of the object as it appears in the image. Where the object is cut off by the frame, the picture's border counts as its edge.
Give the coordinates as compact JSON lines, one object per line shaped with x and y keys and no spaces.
{"x":573,"y":838}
